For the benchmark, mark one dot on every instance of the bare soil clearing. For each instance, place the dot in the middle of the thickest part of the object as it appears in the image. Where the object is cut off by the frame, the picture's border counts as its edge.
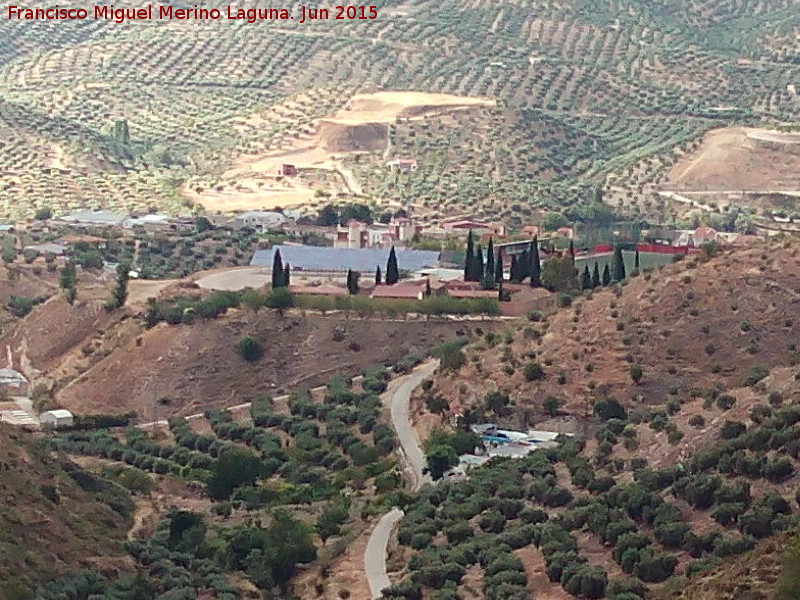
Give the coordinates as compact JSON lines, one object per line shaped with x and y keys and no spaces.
{"x":736,"y":159}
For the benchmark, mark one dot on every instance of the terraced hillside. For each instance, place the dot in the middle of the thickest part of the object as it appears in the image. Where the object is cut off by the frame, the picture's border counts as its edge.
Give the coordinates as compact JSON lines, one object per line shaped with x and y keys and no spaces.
{"x":95,"y":113}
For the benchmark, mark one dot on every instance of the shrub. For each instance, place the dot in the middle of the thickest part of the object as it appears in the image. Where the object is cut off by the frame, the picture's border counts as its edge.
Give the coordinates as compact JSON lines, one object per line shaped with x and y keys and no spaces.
{"x":563,"y":300}
{"x":627,"y":589}
{"x":532,"y":516}
{"x":732,"y":429}
{"x":727,"y":513}
{"x":732,"y":546}
{"x":492,"y":522}
{"x":585,"y":581}
{"x":420,"y":541}
{"x":250,"y":349}
{"x":697,"y":421}
{"x":609,"y":408}
{"x":659,"y":421}
{"x":135,"y":480}
{"x":655,"y":567}
{"x":726,"y":401}
{"x":235,"y":467}
{"x":778,"y":470}
{"x":775,"y":398}
{"x":699,"y":490}
{"x":672,"y":535}
{"x":451,"y":355}
{"x":459,"y":532}
{"x":556,"y":496}
{"x":756,"y":374}
{"x":533,"y":371}
{"x":552,"y":405}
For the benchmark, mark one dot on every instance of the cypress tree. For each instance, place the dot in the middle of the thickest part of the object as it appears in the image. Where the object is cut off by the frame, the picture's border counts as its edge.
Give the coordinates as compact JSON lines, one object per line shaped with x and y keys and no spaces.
{"x":586,"y":279}
{"x":378,"y":275}
{"x":392,"y":272}
{"x":572,"y":251}
{"x":477,"y":264}
{"x":606,"y":275}
{"x":514,"y":271}
{"x":69,"y":281}
{"x":352,"y":281}
{"x":636,"y":259}
{"x":490,"y":260}
{"x":121,"y":290}
{"x":277,"y":269}
{"x":536,"y":267}
{"x":498,"y":269}
{"x":470,"y":257}
{"x":427,"y":286}
{"x":619,"y":264}
{"x":287,"y":277}
{"x":595,"y":276}
{"x":524,"y":265}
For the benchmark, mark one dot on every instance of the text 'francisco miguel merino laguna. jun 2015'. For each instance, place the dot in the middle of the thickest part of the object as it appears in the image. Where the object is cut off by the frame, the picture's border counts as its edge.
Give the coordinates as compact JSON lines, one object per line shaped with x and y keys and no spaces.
{"x":117,"y":14}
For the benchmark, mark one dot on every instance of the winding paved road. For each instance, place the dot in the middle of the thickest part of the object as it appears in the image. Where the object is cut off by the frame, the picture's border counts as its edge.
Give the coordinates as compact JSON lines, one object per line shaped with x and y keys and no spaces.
{"x":398,"y":395}
{"x":375,"y":554}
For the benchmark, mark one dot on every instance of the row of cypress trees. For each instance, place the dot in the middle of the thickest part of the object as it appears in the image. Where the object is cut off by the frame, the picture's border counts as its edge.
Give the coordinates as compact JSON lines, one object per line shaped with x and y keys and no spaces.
{"x":593,"y":279}
{"x":490,"y":272}
{"x":282,"y":278}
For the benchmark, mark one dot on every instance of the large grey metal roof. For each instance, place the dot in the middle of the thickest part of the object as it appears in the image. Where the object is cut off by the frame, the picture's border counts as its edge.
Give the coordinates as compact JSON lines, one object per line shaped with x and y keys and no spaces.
{"x":320,"y":258}
{"x":95,"y":217}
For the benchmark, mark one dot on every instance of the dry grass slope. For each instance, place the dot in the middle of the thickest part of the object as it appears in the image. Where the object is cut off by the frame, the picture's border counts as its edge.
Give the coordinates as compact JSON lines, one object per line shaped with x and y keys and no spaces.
{"x":55,"y":518}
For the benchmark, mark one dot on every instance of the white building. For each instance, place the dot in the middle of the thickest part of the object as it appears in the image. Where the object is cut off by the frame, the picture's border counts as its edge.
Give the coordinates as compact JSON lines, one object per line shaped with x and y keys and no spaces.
{"x":406,"y":165}
{"x":149,"y":222}
{"x":56,"y":418}
{"x":13,"y":383}
{"x":259,"y":220}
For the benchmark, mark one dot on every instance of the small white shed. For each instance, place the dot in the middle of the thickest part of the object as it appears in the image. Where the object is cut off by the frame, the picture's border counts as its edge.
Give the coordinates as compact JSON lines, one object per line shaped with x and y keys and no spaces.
{"x":56,"y":418}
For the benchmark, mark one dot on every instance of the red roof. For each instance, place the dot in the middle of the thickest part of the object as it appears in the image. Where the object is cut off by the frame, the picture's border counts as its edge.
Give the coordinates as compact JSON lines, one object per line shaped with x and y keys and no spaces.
{"x":468,"y":225}
{"x":410,"y":290}
{"x":457,"y":284}
{"x":705,"y":233}
{"x":472,"y":293}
